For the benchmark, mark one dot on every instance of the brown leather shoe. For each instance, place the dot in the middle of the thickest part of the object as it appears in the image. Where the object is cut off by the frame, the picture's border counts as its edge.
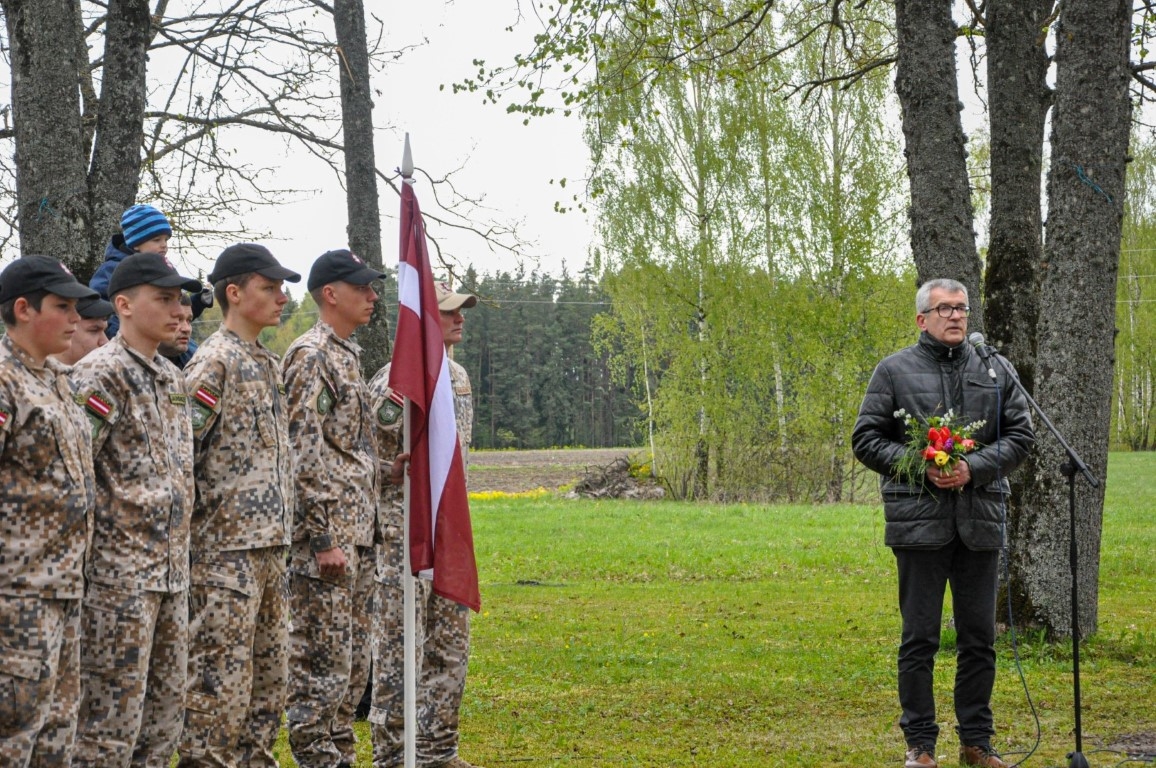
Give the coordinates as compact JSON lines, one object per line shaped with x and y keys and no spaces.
{"x":981,"y":755}
{"x":921,"y":757}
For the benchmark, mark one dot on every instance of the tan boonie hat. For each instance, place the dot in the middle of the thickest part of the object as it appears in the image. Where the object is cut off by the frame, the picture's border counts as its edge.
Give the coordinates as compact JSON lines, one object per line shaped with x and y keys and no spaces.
{"x":448,"y":301}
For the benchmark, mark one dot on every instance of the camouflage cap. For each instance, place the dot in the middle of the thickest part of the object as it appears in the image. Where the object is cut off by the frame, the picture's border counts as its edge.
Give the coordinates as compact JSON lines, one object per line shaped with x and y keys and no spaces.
{"x":448,"y":301}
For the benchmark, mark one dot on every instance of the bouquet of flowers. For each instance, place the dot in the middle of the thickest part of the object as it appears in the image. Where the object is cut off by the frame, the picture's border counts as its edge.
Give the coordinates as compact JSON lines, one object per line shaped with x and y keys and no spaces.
{"x":934,"y":440}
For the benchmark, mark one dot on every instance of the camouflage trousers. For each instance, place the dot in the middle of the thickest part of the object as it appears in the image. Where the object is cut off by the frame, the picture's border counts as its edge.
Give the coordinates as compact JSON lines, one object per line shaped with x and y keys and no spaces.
{"x":442,"y":630}
{"x":238,"y":659}
{"x":329,"y":653}
{"x":133,"y":659}
{"x":39,"y":680}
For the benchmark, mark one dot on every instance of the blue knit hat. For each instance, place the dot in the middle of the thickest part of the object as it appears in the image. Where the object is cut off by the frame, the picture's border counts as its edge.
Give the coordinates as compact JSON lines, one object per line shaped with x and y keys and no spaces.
{"x":141,"y":223}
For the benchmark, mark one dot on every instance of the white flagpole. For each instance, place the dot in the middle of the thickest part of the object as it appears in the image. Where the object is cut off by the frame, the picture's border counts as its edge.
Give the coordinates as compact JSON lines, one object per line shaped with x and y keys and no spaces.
{"x":409,"y":602}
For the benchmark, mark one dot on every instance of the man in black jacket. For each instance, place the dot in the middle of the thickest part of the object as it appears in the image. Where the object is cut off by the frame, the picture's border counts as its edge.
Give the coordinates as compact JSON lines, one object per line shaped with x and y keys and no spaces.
{"x":947,"y":525}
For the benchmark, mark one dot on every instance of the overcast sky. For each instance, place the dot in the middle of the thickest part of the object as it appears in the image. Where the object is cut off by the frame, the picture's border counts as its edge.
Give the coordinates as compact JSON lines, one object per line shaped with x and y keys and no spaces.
{"x":507,"y":162}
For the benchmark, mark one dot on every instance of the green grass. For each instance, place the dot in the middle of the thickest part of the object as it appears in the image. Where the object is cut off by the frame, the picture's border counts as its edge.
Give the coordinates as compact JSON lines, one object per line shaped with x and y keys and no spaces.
{"x":674,"y":634}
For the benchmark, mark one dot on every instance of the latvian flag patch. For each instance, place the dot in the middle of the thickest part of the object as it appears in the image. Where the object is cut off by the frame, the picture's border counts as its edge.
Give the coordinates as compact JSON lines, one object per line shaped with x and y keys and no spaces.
{"x":4,"y":416}
{"x":98,"y":406}
{"x":207,"y":397}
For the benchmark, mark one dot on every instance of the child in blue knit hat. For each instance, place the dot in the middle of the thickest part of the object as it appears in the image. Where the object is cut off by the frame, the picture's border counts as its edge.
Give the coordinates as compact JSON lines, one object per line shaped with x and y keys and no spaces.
{"x":143,"y":229}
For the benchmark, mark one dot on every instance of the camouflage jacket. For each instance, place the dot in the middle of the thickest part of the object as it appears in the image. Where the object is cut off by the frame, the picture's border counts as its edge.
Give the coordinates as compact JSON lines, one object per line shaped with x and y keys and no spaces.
{"x":46,"y":486}
{"x":244,"y":465}
{"x":142,"y":446}
{"x":331,"y":429}
{"x":387,"y":411}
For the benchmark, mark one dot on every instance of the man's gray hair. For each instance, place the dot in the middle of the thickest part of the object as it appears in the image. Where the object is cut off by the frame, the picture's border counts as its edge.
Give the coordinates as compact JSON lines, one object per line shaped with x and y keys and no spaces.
{"x":923,"y":295}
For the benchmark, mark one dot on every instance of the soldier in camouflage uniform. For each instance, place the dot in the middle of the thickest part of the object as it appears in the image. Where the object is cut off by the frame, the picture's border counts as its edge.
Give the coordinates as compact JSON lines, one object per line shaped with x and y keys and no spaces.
{"x":134,"y":626}
{"x":242,"y":521}
{"x":45,"y":518}
{"x":332,"y":556}
{"x":443,"y":626}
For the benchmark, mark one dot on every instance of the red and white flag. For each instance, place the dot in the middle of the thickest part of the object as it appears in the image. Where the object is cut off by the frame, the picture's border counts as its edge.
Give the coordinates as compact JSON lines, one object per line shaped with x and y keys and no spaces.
{"x":440,"y":534}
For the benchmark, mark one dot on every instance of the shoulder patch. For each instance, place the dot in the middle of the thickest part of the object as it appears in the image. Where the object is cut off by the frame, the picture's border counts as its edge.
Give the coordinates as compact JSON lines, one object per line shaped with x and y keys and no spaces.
{"x":207,"y":397}
{"x":391,"y":409}
{"x":200,"y":415}
{"x":325,"y":400}
{"x":4,"y":417}
{"x":98,"y":406}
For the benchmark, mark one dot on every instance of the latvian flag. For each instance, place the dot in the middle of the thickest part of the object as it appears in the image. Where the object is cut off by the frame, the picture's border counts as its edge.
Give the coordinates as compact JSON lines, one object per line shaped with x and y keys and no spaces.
{"x":440,"y":534}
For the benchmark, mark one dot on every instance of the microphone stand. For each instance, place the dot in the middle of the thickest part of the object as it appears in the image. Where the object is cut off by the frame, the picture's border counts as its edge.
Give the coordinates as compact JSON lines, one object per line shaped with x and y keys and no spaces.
{"x":1068,"y":469}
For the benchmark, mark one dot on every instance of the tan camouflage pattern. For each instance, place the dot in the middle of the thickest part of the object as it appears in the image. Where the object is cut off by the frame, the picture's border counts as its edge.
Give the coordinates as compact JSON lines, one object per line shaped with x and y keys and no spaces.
{"x":463,"y":408}
{"x":238,"y":658}
{"x":330,"y":649}
{"x":40,"y":678}
{"x":133,"y":659}
{"x":45,"y":522}
{"x":238,"y":605}
{"x":134,"y":625}
{"x":442,"y":626}
{"x":331,"y":428}
{"x":244,"y":468}
{"x":143,"y":456}
{"x":387,"y":423}
{"x":443,"y":641}
{"x":45,"y":479}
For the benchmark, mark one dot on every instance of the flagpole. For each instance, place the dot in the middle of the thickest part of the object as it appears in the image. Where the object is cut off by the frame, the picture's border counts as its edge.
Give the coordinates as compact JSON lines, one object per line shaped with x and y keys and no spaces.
{"x":409,"y":602}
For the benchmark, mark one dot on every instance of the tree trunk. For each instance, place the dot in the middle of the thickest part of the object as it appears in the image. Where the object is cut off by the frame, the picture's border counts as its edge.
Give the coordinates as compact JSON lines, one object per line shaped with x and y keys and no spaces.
{"x":361,"y":199}
{"x":942,"y":238}
{"x":114,"y":177}
{"x":1017,"y":66}
{"x":1090,"y":130}
{"x":50,"y":184}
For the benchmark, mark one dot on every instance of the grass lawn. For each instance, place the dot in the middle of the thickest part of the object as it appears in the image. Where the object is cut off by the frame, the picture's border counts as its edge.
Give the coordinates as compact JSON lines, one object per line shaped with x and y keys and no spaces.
{"x":624,"y":633}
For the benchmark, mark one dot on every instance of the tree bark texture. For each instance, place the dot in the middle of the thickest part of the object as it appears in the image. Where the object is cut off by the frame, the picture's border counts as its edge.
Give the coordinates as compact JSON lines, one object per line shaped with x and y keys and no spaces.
{"x":50,"y":180}
{"x":1018,"y":100}
{"x":1017,"y":66}
{"x":114,"y":176}
{"x":361,"y":200}
{"x":1090,"y":131}
{"x":942,"y":237}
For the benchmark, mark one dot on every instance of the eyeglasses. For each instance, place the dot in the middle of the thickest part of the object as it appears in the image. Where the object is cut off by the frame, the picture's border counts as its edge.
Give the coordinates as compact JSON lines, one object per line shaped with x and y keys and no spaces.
{"x":945,"y":310}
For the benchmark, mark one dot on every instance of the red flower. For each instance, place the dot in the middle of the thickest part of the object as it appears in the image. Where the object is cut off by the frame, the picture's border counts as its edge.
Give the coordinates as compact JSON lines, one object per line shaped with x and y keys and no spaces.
{"x":929,"y":453}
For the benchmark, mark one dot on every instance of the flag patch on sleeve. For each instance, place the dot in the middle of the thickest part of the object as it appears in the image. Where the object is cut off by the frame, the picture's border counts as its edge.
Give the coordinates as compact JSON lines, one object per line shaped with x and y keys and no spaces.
{"x":98,"y":406}
{"x":4,"y":416}
{"x":207,"y":397}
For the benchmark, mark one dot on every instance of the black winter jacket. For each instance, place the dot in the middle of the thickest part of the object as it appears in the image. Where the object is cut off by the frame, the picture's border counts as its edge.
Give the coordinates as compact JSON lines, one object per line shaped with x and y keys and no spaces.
{"x":929,"y":379}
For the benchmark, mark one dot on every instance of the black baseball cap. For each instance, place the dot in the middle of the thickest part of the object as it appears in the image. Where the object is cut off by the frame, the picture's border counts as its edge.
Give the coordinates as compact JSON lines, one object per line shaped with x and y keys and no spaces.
{"x":149,"y":269}
{"x":343,"y":265}
{"x":30,"y":274}
{"x":244,"y":258}
{"x":94,"y":308}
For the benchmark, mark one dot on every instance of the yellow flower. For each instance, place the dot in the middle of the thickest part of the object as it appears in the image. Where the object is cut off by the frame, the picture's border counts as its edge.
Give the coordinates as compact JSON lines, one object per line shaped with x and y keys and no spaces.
{"x":941,"y":458}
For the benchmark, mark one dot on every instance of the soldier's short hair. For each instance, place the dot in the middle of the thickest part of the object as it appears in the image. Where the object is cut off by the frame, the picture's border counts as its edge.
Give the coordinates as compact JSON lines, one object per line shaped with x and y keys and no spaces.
{"x":219,"y":287}
{"x":8,"y":308}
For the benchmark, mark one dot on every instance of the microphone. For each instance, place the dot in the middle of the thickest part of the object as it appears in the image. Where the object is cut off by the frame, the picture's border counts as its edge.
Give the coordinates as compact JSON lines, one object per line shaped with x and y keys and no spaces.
{"x":976,"y":340}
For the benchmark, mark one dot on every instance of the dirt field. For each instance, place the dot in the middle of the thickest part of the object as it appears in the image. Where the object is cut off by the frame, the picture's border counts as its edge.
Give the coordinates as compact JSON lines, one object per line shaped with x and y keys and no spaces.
{"x":514,"y":471}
